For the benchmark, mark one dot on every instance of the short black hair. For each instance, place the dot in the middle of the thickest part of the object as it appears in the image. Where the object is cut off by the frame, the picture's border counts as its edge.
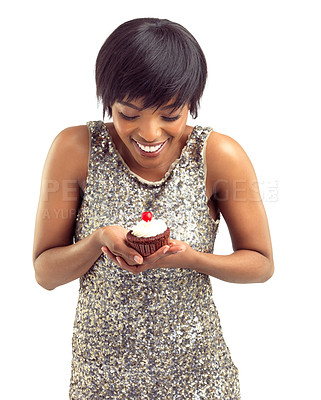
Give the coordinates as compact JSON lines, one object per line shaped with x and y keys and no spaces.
{"x":151,"y":59}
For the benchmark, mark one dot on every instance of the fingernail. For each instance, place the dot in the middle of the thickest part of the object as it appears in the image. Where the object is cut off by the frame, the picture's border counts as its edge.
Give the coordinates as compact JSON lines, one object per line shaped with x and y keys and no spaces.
{"x":138,"y":259}
{"x":182,"y":249}
{"x":118,"y":260}
{"x":166,"y":250}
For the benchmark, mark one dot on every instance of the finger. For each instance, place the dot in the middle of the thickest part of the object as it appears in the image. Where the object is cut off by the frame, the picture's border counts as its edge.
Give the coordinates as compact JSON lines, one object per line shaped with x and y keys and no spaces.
{"x":158,"y":254}
{"x":128,"y":254}
{"x":117,"y":260}
{"x":164,"y":252}
{"x":177,"y":248}
{"x":132,"y":259}
{"x":104,"y":249}
{"x":108,"y":253}
{"x":122,"y":263}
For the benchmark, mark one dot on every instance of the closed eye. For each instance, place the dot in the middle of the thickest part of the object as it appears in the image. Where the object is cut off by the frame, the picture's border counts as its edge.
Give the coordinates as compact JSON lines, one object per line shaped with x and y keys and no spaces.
{"x":169,"y":119}
{"x":127,"y":117}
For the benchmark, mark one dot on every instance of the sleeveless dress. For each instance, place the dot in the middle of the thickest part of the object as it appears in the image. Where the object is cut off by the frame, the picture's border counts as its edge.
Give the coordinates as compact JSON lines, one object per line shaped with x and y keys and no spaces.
{"x":155,"y":335}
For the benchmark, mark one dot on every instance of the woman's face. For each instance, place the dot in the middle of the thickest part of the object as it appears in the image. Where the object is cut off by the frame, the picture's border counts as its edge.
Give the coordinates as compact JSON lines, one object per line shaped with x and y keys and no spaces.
{"x":150,"y":138}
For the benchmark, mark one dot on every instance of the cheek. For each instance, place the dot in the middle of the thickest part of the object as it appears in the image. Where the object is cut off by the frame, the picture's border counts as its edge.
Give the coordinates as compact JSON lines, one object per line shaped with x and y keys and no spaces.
{"x":177,"y":128}
{"x":122,"y":127}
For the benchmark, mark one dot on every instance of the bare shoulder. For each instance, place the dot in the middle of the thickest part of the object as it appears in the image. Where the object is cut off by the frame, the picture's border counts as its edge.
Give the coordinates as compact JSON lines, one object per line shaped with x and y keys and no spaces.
{"x":226,"y":161}
{"x":220,"y":147}
{"x":75,"y":138}
{"x":71,"y":148}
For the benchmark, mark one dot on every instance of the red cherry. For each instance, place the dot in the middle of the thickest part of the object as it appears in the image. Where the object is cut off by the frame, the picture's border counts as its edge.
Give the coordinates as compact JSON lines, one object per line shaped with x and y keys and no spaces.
{"x":147,"y":216}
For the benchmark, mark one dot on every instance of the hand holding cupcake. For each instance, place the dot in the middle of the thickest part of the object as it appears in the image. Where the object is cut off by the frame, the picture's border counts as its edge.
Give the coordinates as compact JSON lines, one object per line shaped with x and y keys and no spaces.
{"x":148,"y":235}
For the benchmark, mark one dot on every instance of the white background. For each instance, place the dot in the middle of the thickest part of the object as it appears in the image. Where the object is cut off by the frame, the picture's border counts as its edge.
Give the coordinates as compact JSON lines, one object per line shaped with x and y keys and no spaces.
{"x":263,"y":90}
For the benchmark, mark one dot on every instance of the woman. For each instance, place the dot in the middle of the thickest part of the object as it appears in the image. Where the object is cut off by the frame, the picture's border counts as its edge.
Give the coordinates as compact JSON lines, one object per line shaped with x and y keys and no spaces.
{"x":147,"y":327}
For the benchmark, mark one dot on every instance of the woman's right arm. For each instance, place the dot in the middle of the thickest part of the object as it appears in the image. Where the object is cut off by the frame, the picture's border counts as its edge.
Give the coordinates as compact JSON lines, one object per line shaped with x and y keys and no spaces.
{"x":56,"y":259}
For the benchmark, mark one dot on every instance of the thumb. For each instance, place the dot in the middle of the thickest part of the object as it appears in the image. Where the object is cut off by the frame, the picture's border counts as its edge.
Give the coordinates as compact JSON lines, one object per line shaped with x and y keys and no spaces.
{"x":137,"y":258}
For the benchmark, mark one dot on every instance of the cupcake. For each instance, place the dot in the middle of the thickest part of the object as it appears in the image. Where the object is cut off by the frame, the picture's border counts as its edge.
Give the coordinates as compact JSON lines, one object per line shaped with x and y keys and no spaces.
{"x":148,"y":235}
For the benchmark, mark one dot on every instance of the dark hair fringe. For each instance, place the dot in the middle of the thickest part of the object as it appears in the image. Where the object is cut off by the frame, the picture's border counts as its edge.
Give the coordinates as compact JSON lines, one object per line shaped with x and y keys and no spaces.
{"x":151,"y":59}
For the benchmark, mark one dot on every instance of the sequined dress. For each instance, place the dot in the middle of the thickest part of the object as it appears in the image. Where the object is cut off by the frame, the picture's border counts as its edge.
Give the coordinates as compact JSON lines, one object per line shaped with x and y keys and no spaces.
{"x":155,"y":335}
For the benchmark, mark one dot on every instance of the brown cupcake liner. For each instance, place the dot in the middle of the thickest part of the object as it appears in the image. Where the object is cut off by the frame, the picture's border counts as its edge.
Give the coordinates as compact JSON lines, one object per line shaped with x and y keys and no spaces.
{"x":149,"y":245}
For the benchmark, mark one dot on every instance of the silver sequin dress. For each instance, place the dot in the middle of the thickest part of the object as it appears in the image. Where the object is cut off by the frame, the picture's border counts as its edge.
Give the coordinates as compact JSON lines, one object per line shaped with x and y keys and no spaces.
{"x":155,"y":335}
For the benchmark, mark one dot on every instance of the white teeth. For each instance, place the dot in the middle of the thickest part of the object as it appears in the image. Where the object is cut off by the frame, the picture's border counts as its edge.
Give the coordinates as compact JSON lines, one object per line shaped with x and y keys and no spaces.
{"x":149,"y":149}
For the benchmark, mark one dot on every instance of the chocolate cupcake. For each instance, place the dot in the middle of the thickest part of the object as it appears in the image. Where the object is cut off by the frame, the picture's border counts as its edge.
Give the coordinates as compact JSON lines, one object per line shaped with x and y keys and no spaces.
{"x":148,"y":235}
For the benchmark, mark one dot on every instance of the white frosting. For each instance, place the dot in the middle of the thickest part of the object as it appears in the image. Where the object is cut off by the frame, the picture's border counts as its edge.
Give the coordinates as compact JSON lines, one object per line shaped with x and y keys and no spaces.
{"x":150,"y":228}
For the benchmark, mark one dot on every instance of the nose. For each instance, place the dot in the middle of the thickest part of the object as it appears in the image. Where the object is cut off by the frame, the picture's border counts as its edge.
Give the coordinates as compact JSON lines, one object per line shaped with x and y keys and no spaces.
{"x":150,"y":131}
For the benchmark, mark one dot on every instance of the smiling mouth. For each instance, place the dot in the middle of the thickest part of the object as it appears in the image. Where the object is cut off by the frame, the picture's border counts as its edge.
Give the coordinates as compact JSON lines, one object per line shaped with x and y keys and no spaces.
{"x":150,"y":150}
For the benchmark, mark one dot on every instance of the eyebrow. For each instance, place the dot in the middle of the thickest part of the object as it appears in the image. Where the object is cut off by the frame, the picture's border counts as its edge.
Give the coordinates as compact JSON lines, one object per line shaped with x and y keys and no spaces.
{"x":131,"y":105}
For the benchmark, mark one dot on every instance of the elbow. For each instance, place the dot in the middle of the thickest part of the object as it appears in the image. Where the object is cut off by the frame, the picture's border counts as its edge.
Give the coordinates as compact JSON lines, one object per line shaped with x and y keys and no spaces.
{"x":40,"y":279}
{"x":267,"y":270}
{"x":43,"y":283}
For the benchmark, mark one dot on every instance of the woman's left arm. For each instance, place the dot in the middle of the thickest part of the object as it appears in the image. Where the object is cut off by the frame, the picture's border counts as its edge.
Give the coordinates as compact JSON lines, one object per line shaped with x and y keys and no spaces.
{"x":234,"y":186}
